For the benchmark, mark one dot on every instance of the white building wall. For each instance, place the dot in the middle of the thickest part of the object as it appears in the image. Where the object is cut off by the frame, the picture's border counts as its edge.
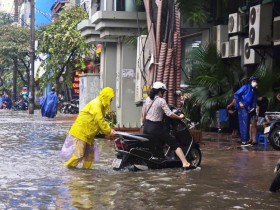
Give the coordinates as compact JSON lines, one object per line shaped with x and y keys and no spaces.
{"x":7,"y":6}
{"x":24,"y":14}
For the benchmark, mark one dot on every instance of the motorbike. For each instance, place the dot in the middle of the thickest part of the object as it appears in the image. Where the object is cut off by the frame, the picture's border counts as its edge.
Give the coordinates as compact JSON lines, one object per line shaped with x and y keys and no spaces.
{"x":20,"y":106}
{"x":272,"y":130}
{"x":275,"y":185}
{"x":138,"y":151}
{"x":72,"y":107}
{"x":4,"y":105}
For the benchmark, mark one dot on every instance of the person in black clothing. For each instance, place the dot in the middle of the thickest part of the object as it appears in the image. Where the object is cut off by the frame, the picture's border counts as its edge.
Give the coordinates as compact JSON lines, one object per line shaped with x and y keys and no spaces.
{"x":154,"y":109}
{"x":262,"y":103}
{"x":233,"y":115}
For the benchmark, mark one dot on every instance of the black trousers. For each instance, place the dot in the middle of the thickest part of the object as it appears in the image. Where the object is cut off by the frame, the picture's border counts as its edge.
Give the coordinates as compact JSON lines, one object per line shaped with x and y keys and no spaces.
{"x":156,"y":129}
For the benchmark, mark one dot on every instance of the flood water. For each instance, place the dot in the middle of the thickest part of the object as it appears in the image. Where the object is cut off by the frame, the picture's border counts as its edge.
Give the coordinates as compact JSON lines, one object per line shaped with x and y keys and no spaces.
{"x":32,"y":175}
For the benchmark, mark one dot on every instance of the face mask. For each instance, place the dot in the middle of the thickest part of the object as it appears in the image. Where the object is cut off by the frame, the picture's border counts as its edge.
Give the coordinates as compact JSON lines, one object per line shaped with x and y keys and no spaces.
{"x":254,"y":84}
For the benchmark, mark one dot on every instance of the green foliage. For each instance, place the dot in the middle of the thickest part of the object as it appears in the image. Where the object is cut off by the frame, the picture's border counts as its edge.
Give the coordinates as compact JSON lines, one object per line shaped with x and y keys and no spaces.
{"x":269,"y":85}
{"x":111,"y":119}
{"x":64,"y":46}
{"x":201,"y":11}
{"x":211,"y":82}
{"x":5,"y":19}
{"x":14,"y":42}
{"x":193,"y":12}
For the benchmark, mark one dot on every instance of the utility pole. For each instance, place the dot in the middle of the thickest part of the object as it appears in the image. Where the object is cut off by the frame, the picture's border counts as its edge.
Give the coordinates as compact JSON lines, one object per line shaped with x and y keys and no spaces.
{"x":16,"y":11}
{"x":14,"y":93}
{"x":32,"y":59}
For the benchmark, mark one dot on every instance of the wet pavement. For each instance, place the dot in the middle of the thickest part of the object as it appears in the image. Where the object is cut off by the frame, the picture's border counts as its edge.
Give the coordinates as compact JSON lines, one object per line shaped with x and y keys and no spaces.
{"x":32,"y":175}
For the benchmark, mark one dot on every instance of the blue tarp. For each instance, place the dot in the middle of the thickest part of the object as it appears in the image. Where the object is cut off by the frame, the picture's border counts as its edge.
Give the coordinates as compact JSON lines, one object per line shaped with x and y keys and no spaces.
{"x":223,"y":117}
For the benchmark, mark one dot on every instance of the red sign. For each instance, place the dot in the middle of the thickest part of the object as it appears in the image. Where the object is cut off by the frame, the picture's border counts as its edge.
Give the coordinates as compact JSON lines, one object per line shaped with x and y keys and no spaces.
{"x":75,"y":83}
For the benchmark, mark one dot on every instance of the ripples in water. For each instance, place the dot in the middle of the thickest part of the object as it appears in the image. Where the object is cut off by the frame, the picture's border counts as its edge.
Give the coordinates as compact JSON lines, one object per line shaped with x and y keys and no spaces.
{"x":32,"y":176}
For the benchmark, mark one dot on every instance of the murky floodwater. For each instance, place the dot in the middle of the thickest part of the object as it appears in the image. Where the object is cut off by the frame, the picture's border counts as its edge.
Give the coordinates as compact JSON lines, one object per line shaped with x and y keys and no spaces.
{"x":32,"y":176}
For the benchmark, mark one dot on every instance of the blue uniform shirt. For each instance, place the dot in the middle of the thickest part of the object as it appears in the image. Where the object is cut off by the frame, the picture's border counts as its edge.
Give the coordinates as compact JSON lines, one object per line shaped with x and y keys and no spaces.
{"x":247,"y":95}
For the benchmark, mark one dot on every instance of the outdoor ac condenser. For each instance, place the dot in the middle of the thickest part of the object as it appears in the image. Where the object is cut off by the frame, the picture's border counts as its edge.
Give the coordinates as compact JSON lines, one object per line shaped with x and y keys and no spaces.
{"x":224,"y":49}
{"x":220,"y":35}
{"x":141,"y":60}
{"x":276,"y":30}
{"x":234,"y":49}
{"x":236,"y":23}
{"x":250,"y":56}
{"x":260,"y":22}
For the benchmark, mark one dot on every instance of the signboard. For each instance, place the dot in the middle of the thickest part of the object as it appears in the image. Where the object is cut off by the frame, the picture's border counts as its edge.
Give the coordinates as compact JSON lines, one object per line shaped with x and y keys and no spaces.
{"x":25,"y":91}
{"x":75,"y":84}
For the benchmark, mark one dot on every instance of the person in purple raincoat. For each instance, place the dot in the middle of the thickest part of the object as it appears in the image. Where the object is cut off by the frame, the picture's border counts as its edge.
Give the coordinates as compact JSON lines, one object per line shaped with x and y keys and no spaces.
{"x":245,"y":103}
{"x":48,"y":108}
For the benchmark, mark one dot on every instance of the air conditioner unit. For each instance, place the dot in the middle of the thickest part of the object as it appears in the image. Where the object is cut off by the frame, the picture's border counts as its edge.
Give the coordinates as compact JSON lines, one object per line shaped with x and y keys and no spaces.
{"x":276,"y":30}
{"x":220,"y":34}
{"x":234,"y":49}
{"x":236,"y":23}
{"x":250,"y":56}
{"x":141,"y":67}
{"x":224,"y":49}
{"x":260,"y":22}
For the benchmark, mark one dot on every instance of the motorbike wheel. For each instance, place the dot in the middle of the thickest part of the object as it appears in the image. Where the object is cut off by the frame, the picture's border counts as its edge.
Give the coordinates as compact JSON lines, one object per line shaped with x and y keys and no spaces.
{"x":73,"y":110}
{"x":63,"y":109}
{"x":275,"y":138}
{"x":275,"y":185}
{"x":194,"y":156}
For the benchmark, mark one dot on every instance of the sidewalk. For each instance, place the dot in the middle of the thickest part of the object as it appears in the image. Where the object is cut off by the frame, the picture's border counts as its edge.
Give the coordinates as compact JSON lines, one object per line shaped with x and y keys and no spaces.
{"x":225,"y":141}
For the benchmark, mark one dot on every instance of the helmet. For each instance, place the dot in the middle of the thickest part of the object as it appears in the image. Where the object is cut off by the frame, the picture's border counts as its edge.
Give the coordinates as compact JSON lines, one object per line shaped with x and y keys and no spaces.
{"x":253,"y":78}
{"x":159,"y":85}
{"x":53,"y":88}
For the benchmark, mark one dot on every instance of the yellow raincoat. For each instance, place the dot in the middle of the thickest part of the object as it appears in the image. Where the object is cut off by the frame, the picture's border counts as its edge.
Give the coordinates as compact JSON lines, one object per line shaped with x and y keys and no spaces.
{"x":89,"y":122}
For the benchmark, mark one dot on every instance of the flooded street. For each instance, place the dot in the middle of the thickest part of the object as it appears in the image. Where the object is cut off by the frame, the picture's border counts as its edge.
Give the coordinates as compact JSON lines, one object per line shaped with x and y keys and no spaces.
{"x":32,"y":175}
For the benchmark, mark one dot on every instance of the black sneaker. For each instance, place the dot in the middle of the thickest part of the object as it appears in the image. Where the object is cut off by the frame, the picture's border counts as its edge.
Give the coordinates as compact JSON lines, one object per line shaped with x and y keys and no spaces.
{"x":254,"y":143}
{"x":190,"y":167}
{"x":245,"y":144}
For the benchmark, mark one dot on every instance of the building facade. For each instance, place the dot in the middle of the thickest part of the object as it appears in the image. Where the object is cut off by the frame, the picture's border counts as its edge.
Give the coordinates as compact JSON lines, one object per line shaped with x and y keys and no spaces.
{"x":109,"y":22}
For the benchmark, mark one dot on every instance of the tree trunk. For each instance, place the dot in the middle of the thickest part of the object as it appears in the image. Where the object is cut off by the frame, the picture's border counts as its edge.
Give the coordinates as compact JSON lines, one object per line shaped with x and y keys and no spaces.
{"x":14,"y":93}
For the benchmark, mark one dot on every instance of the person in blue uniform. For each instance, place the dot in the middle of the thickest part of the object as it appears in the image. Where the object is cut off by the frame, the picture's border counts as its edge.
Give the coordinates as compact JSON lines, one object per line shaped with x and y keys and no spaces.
{"x":48,"y":108}
{"x":245,"y":103}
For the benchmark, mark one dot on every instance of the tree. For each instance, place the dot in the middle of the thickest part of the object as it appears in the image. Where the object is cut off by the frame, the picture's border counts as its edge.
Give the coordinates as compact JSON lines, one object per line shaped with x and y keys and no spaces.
{"x":211,"y":83}
{"x":14,"y":42}
{"x":201,"y":11}
{"x":5,"y":19}
{"x":64,"y":46}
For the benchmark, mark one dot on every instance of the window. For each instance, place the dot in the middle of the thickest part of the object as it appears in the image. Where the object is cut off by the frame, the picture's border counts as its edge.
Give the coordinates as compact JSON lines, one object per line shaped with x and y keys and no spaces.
{"x":188,"y":45}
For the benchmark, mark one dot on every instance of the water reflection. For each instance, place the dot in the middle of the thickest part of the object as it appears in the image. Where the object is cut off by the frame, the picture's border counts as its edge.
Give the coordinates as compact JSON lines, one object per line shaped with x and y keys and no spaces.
{"x":32,"y":176}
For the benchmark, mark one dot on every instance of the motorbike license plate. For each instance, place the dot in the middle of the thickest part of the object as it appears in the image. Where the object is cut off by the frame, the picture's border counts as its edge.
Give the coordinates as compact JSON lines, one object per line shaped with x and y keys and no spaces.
{"x":116,"y":163}
{"x":266,"y":129}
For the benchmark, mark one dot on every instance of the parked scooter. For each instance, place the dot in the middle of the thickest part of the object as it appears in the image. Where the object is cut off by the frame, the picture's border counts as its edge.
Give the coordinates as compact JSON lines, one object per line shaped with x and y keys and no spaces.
{"x":137,"y":151}
{"x":275,"y":185}
{"x":273,"y":133}
{"x":74,"y":106}
{"x":21,"y":106}
{"x":70,"y":107}
{"x":4,"y":105}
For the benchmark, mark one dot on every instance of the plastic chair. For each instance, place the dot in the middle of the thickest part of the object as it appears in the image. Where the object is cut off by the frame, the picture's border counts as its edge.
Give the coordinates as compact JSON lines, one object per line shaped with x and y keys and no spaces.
{"x":261,"y":138}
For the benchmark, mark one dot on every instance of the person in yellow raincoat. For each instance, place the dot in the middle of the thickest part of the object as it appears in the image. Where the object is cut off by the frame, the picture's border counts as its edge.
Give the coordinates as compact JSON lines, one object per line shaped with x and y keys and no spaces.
{"x":79,"y":144}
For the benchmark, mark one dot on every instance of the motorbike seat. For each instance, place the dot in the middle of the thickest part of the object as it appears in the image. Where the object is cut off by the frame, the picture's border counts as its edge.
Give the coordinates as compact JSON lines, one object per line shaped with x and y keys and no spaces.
{"x":147,"y":136}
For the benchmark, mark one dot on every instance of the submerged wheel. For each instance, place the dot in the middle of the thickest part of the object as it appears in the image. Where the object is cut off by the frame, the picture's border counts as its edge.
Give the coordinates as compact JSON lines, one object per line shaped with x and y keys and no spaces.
{"x":194,"y":156}
{"x":275,"y":138}
{"x":275,"y":185}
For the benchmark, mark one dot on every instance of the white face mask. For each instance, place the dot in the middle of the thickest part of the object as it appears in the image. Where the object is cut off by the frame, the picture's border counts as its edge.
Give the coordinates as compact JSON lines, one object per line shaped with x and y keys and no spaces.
{"x":254,"y":84}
